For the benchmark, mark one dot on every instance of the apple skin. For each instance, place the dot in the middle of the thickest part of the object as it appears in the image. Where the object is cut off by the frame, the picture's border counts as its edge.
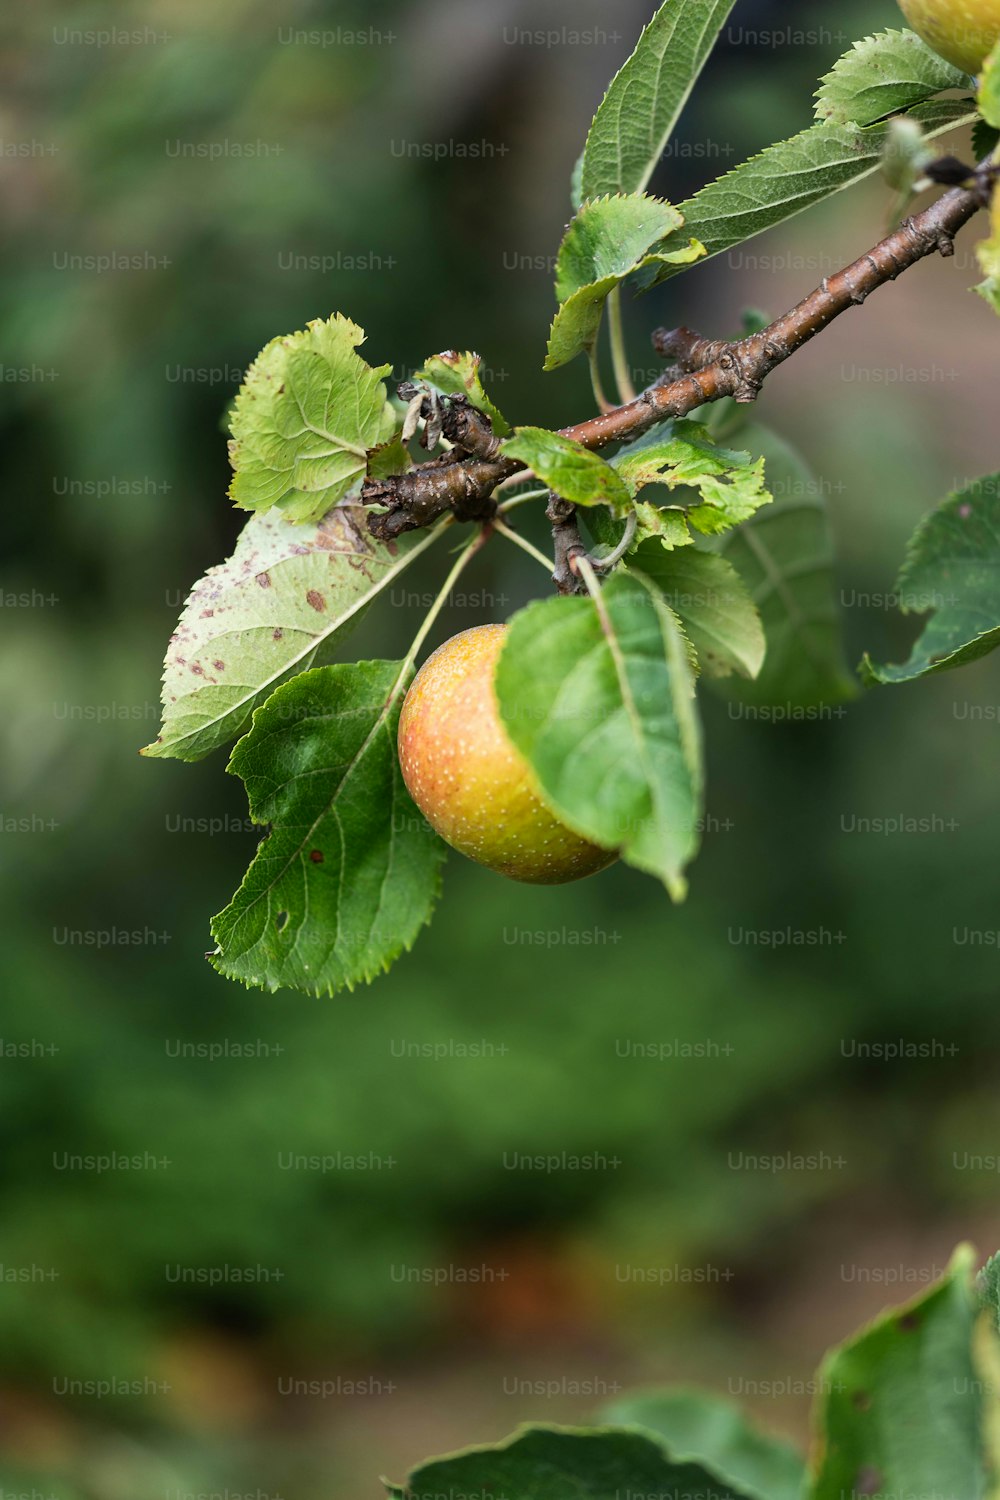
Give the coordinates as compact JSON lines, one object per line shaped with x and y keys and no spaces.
{"x":962,"y":31}
{"x":471,"y":784}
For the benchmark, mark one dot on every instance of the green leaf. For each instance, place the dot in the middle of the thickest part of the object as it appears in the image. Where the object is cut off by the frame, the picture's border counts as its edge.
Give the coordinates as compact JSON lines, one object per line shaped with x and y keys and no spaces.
{"x":607,"y":240}
{"x":576,"y":325}
{"x":599,"y":697}
{"x":455,"y":374}
{"x":988,"y":255}
{"x":608,"y":237}
{"x":989,"y":89}
{"x":304,"y":419}
{"x":566,"y":467}
{"x":564,"y":1463}
{"x":952,"y":567}
{"x":906,"y":156}
{"x":985,"y":139}
{"x":792,"y":176}
{"x":730,"y":483}
{"x":705,"y":1428}
{"x":712,"y":603}
{"x":882,"y":75}
{"x":644,"y":100}
{"x":283,"y":602}
{"x":667,"y":523}
{"x":900,"y":1409}
{"x":784,"y":555}
{"x":988,"y":1285}
{"x":349,"y":872}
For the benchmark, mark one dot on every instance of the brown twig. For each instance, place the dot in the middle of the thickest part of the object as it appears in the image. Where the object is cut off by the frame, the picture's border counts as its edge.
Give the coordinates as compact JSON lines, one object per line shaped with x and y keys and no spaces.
{"x":706,"y":370}
{"x":567,"y":545}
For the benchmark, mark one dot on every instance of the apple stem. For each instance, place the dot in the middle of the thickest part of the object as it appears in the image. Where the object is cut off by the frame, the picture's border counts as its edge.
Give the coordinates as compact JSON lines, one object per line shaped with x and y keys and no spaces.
{"x":464,"y":557}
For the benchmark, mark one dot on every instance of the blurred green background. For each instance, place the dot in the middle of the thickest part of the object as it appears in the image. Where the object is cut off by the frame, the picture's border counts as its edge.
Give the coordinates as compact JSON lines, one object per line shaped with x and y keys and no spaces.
{"x":286,"y":1330}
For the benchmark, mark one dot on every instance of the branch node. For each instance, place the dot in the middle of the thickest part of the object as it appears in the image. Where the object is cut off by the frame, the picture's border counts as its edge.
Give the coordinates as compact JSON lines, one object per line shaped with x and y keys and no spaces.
{"x":567,"y":544}
{"x":690,"y":351}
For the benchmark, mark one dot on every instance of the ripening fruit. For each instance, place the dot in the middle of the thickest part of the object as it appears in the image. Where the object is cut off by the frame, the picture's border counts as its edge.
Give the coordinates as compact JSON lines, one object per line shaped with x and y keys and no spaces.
{"x":473,"y":787}
{"x":963,"y":31}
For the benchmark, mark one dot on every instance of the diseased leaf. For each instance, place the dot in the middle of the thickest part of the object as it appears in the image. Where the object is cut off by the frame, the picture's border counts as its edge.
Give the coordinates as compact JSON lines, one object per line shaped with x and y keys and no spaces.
{"x":455,"y":374}
{"x":565,"y":1463}
{"x":644,"y":100}
{"x":349,"y":872}
{"x":712,"y":603}
{"x":900,"y":1403}
{"x":599,"y":697}
{"x":792,"y":176}
{"x":882,"y":75}
{"x":607,"y":240}
{"x":952,"y":568}
{"x":283,"y":602}
{"x":667,"y":523}
{"x":730,"y":483}
{"x":304,"y":420}
{"x":566,"y":467}
{"x":784,"y":554}
{"x":706,"y":1429}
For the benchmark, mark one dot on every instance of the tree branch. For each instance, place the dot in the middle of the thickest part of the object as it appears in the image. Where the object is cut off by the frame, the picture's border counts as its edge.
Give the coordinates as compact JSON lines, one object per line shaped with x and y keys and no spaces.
{"x":704,"y":370}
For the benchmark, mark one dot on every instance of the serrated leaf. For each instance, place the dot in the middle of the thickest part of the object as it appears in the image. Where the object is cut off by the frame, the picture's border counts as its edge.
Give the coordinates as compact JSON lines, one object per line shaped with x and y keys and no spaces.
{"x":899,"y":1412}
{"x":784,"y":555}
{"x":645,"y":98}
{"x":881,"y":75}
{"x":572,"y":471}
{"x":304,"y":420}
{"x":609,"y":236}
{"x":989,"y":89}
{"x":706,"y":1429}
{"x":985,"y":139}
{"x":712,"y":603}
{"x":731,"y":483}
{"x":599,"y":697}
{"x":556,"y":1463}
{"x":455,"y":374}
{"x":284,"y":600}
{"x":952,"y":568}
{"x":606,"y":242}
{"x":349,"y":872}
{"x":792,"y":176}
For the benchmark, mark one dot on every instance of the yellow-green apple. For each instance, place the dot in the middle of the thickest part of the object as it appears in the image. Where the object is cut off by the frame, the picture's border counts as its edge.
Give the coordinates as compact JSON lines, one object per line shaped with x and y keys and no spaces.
{"x":963,"y":31}
{"x":470,"y":782}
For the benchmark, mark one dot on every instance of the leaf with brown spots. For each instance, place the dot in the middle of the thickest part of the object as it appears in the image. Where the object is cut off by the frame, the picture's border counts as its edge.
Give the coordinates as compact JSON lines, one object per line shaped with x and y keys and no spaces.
{"x":283,"y":602}
{"x":899,"y":1409}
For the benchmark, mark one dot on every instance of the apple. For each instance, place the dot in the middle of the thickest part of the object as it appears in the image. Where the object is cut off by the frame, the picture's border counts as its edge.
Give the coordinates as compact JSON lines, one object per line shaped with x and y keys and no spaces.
{"x":470,"y":782}
{"x":963,"y":31}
